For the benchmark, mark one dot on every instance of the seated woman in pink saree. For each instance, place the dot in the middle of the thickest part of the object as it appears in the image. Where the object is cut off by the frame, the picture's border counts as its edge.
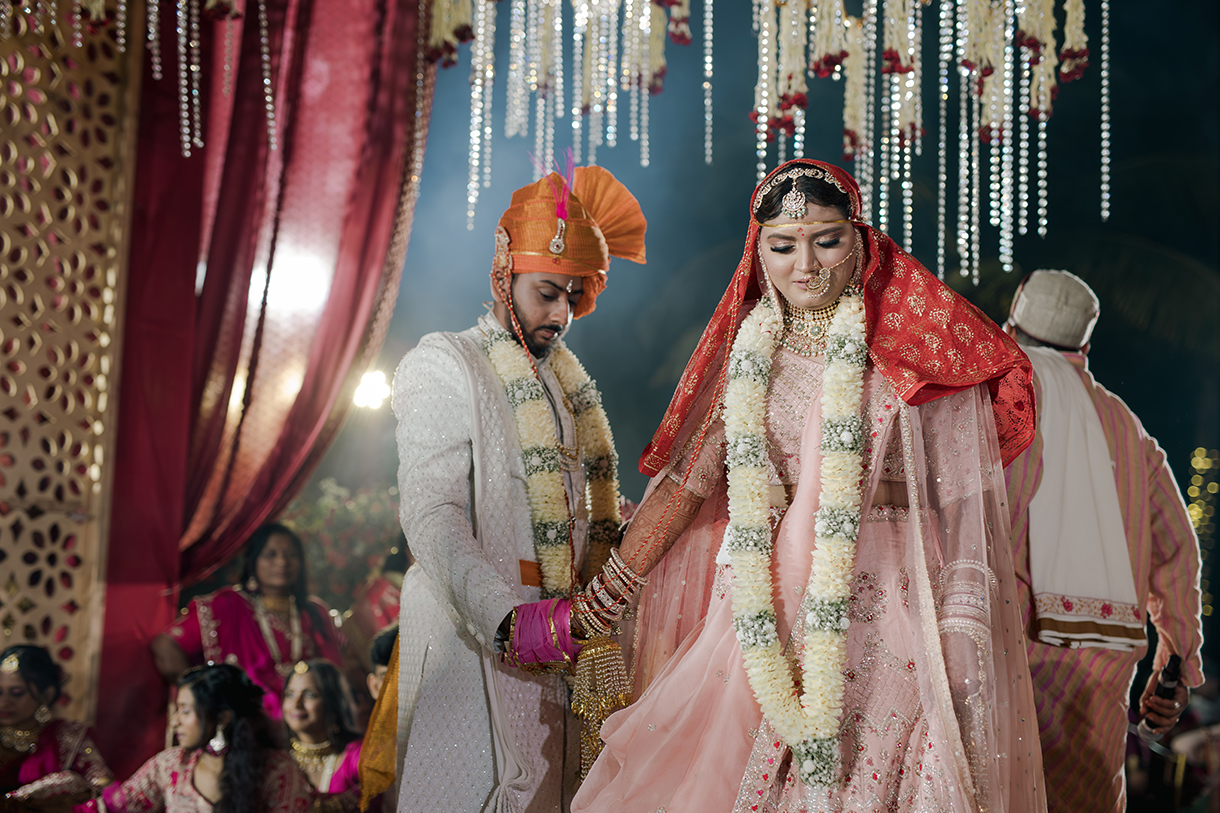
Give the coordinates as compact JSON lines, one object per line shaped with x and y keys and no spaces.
{"x":39,"y":755}
{"x":826,"y":617}
{"x":264,"y":625}
{"x":226,"y":760}
{"x":320,"y":716}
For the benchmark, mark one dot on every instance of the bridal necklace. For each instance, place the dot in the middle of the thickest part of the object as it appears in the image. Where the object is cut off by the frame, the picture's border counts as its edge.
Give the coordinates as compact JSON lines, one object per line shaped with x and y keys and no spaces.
{"x":806,"y":329}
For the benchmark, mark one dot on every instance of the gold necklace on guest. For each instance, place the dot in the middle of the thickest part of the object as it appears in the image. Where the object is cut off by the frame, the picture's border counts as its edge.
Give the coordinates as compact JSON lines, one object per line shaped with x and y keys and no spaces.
{"x":21,"y":741}
{"x":806,"y":329}
{"x":311,"y":754}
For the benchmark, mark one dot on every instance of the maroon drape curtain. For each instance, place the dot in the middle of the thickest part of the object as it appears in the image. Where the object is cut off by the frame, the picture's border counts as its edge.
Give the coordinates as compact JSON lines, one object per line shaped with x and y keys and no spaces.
{"x":229,"y":398}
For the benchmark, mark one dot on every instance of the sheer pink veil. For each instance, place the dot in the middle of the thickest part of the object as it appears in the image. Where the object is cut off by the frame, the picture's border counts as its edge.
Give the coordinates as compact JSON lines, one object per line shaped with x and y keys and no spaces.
{"x":679,"y":588}
{"x":973,"y":672}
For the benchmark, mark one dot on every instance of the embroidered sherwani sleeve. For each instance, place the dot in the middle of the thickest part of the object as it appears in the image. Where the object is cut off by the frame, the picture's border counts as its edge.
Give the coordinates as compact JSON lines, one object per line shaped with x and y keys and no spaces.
{"x":432,"y":404}
{"x":1173,"y":596}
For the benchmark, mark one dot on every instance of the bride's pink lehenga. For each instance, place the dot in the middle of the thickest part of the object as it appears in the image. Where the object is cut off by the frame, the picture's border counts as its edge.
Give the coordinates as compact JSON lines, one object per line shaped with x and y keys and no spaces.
{"x":938,"y":712}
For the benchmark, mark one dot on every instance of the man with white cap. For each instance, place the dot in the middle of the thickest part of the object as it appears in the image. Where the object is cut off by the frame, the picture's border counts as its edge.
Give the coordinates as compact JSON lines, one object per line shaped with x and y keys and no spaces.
{"x":1102,"y":541}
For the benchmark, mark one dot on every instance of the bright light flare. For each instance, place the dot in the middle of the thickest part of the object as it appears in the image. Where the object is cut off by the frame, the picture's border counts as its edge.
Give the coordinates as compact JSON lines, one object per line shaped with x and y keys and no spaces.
{"x":373,"y":390}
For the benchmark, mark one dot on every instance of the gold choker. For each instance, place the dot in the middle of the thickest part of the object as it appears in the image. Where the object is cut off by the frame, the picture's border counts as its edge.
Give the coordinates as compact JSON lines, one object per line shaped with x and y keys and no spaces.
{"x":806,"y":329}
{"x":311,"y":754}
{"x":281,"y":605}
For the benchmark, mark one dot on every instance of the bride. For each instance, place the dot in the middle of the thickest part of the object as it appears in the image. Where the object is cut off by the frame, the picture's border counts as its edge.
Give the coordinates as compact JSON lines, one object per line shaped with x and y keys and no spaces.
{"x":826,"y":590}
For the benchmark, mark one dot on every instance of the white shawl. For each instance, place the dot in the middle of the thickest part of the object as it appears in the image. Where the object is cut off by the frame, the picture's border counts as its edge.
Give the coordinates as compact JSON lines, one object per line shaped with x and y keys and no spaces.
{"x":1080,"y":567}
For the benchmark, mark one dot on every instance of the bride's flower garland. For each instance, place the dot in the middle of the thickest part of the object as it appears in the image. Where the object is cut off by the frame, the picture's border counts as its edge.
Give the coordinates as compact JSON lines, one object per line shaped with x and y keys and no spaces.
{"x":543,"y":456}
{"x":808,"y":721}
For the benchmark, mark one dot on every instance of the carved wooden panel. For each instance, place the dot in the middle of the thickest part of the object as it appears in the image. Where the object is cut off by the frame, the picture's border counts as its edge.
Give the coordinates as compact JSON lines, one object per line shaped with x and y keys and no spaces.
{"x":64,"y":190}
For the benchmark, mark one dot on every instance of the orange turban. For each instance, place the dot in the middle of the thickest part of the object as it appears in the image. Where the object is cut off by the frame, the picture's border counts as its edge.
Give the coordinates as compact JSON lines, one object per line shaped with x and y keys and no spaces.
{"x":602,"y":220}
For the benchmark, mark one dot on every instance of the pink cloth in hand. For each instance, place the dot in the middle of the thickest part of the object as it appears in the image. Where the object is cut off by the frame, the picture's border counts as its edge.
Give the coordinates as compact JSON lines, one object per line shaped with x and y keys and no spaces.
{"x":542,"y":637}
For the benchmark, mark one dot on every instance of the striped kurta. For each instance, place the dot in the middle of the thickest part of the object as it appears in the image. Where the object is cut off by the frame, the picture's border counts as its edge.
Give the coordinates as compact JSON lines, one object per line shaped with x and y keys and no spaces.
{"x":1082,"y":694}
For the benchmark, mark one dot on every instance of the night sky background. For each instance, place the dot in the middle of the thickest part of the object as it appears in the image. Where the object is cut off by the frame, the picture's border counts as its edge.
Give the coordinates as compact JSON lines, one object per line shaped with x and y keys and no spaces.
{"x":1154,"y":264}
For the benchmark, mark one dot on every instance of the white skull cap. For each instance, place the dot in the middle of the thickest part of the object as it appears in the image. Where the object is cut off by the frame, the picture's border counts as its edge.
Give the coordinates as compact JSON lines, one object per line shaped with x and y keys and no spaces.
{"x":1056,"y":307}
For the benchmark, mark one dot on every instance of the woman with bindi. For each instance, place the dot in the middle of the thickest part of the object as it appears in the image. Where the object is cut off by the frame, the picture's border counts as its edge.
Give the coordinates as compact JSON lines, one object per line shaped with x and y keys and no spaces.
{"x":41,"y":756}
{"x":320,"y":716}
{"x":826,"y":616}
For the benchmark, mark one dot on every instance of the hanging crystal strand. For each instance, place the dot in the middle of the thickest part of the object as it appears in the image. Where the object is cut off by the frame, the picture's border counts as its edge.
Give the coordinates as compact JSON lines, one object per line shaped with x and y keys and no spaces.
{"x":540,"y":136}
{"x":791,"y":92}
{"x":612,"y":76}
{"x":868,"y":173}
{"x":580,"y":19}
{"x":1043,"y":179}
{"x":629,"y":76}
{"x":516,"y":115}
{"x":857,"y":137}
{"x":964,"y":139}
{"x":478,"y":62}
{"x":765,"y":14}
{"x":707,"y":83}
{"x":908,"y":199}
{"x":944,"y":57}
{"x":196,"y":46}
{"x":120,"y":25}
{"x":184,"y":77}
{"x":488,"y":9}
{"x":1105,"y":109}
{"x":534,"y":35}
{"x":887,"y":115}
{"x":544,"y":108}
{"x":6,"y":22}
{"x":153,"y":27}
{"x":556,"y":60}
{"x":976,"y":192}
{"x":910,"y":126}
{"x":798,"y":138}
{"x":648,"y":19}
{"x":915,"y":81}
{"x":1023,"y":106}
{"x":264,"y":46}
{"x":597,"y":80}
{"x":1006,"y":146}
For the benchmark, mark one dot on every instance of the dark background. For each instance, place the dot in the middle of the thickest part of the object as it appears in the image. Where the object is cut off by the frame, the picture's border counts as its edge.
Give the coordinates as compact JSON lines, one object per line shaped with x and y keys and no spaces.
{"x":1154,"y":264}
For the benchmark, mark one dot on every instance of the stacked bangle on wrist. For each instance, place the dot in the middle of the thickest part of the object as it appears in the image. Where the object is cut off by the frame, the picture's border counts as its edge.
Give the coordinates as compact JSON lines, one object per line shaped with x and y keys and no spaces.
{"x":600,"y":605}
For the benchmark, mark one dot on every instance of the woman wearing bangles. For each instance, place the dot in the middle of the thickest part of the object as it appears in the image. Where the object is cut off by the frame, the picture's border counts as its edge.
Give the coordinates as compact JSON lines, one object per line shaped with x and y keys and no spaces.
{"x":40,"y":756}
{"x":319,"y":713}
{"x":226,"y":760}
{"x":829,"y":619}
{"x":265,"y":625}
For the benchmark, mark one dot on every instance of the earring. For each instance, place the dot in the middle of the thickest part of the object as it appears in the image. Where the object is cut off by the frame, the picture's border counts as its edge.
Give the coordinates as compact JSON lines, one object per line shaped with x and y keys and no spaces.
{"x":43,"y":715}
{"x":251,"y":585}
{"x":217,"y":745}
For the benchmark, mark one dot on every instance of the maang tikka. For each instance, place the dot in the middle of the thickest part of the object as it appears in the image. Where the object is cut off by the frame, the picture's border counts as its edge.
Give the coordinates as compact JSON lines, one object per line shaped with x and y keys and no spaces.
{"x":793,"y":204}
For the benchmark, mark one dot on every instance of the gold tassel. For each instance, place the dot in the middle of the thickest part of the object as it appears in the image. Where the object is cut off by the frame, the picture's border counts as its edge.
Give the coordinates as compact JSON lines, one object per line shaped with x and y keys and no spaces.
{"x":599,"y":689}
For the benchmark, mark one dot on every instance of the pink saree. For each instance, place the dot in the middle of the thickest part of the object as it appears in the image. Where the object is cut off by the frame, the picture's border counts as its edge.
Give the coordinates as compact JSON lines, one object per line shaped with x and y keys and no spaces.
{"x":62,"y":746}
{"x":167,"y":783}
{"x":222,"y":628}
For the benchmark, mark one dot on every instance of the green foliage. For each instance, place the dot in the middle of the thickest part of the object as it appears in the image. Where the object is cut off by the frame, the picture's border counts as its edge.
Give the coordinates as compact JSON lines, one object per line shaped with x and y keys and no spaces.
{"x":346,"y":535}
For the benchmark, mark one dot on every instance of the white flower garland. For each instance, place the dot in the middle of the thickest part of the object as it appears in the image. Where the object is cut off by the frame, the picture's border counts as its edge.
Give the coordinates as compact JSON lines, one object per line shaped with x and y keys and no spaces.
{"x":541,"y":453}
{"x":808,"y":721}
